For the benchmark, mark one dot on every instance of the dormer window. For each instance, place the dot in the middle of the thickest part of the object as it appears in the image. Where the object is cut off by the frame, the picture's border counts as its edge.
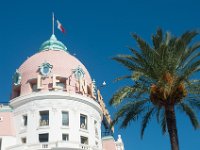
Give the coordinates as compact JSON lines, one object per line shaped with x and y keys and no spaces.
{"x":78,"y":73}
{"x":45,"y":69}
{"x":17,"y":78}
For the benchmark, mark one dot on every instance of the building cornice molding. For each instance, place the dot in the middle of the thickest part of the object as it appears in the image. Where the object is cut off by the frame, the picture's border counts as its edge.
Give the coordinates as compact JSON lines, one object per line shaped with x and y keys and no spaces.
{"x":19,"y":101}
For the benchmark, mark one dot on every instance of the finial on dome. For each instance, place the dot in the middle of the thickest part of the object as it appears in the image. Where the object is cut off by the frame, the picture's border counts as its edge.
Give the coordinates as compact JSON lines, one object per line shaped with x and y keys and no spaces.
{"x":53,"y":37}
{"x":53,"y":44}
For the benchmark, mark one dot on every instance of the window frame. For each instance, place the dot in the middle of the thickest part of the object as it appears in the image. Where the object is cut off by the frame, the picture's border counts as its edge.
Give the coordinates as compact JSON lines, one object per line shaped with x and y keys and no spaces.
{"x":67,"y":137}
{"x":67,"y":123}
{"x":42,"y":134}
{"x":25,"y":120}
{"x":83,"y":125}
{"x":43,"y":121}
{"x":96,"y":128}
{"x":23,"y":140}
{"x":86,"y":138}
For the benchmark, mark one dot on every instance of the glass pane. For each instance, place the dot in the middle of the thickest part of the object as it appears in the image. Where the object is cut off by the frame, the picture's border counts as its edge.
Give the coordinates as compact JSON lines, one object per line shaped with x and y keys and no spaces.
{"x":65,"y":137}
{"x":46,"y":69}
{"x":23,"y":140}
{"x":83,"y":122}
{"x":65,"y":118}
{"x":44,"y":137}
{"x":25,"y":118}
{"x":95,"y":128}
{"x":44,"y":118}
{"x":84,"y":140}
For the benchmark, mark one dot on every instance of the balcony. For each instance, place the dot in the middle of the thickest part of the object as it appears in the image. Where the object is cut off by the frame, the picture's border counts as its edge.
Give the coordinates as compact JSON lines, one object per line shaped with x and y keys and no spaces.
{"x":44,"y":122}
{"x":60,"y":145}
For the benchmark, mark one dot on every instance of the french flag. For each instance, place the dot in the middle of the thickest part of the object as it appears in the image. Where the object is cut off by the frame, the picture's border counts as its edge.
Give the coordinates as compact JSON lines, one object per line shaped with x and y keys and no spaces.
{"x":60,"y":27}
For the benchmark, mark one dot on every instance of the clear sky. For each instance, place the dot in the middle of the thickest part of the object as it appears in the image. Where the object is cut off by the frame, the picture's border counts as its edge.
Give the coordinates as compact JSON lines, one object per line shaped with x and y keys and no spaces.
{"x":97,"y":31}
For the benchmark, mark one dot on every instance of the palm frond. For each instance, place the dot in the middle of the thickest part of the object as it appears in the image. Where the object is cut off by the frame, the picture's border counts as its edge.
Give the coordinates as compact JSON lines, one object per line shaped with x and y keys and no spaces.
{"x":157,"y":38}
{"x":132,"y":59}
{"x":163,"y":123}
{"x":159,"y":110}
{"x":191,"y":59}
{"x":122,"y":78}
{"x":147,"y":52}
{"x":146,"y":120}
{"x":188,"y":71}
{"x":128,"y":64}
{"x":129,"y":112}
{"x":188,"y":52}
{"x":188,"y":36}
{"x":194,"y":87}
{"x":191,"y":114}
{"x":121,"y":94}
{"x":194,"y":103}
{"x":138,"y":55}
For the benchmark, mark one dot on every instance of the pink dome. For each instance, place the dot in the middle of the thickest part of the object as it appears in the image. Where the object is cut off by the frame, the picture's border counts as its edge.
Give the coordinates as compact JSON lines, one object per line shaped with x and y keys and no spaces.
{"x":63,"y":65}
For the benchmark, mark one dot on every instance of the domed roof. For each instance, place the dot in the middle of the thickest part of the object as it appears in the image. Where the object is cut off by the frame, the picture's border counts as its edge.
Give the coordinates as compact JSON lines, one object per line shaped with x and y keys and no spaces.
{"x":55,"y":58}
{"x":53,"y":44}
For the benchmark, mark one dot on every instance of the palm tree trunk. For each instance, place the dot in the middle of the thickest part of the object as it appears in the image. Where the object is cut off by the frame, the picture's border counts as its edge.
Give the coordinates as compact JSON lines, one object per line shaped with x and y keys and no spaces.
{"x":171,"y":126}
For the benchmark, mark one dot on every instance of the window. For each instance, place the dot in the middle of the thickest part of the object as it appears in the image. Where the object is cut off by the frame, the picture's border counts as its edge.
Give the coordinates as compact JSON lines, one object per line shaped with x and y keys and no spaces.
{"x":44,"y":137}
{"x":65,"y":137}
{"x":97,"y":144}
{"x":44,"y":118}
{"x":65,"y":118}
{"x":84,"y":140}
{"x":83,"y":121}
{"x":25,"y":120}
{"x":23,"y":140}
{"x":95,"y":128}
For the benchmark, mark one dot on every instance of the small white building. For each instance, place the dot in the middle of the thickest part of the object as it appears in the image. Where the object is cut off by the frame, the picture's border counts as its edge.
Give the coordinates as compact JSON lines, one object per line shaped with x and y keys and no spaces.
{"x":55,"y":105}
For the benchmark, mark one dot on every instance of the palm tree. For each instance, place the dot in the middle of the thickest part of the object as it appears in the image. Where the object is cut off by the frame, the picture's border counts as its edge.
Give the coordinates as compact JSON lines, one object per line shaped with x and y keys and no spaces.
{"x":162,"y":80}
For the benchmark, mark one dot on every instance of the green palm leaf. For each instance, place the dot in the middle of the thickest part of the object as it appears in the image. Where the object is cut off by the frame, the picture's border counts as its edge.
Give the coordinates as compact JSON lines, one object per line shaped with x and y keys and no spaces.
{"x":129,"y":112}
{"x":146,"y":120}
{"x":191,"y":114}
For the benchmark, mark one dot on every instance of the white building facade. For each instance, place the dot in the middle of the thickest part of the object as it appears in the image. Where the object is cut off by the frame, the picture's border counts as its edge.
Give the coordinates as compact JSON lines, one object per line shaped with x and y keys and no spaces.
{"x":55,"y":105}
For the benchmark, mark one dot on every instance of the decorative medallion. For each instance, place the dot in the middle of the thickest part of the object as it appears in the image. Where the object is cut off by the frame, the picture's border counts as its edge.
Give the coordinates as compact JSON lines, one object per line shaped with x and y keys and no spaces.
{"x":45,"y":69}
{"x":17,"y":78}
{"x":78,"y":73}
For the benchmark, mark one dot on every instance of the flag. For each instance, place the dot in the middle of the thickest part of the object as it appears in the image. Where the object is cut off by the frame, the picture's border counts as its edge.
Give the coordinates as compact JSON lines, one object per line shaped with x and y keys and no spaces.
{"x":60,"y":27}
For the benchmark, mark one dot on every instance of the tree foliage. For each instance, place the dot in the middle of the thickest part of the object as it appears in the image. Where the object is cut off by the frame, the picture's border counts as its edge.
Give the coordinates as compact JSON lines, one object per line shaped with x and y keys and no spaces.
{"x":161,"y":75}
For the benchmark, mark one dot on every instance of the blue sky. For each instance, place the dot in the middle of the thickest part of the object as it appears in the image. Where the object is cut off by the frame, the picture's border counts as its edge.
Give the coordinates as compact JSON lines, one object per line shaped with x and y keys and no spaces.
{"x":97,"y":31}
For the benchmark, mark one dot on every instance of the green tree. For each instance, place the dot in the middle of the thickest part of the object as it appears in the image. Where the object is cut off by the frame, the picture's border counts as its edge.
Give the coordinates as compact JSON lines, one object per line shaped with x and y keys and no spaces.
{"x":162,"y":80}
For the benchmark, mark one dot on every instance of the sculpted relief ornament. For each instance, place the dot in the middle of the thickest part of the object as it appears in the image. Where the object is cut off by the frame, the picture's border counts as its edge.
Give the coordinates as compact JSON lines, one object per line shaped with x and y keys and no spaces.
{"x":17,"y":78}
{"x":45,"y":69}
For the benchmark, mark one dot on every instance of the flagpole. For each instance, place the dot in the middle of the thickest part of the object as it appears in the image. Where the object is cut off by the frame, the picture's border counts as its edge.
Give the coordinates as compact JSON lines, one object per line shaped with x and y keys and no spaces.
{"x":53,"y":23}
